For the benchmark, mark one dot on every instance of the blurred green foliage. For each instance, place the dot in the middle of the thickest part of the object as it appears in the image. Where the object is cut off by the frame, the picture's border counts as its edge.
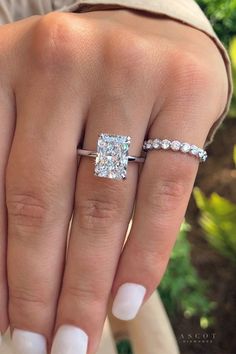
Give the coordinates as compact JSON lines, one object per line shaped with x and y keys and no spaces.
{"x":218,"y":220}
{"x":181,"y":289}
{"x":222,"y":14}
{"x":234,"y":155}
{"x":124,"y":347}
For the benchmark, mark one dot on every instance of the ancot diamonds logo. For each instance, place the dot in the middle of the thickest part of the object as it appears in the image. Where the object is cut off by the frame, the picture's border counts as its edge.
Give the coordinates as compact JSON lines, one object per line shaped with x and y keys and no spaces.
{"x":200,"y":338}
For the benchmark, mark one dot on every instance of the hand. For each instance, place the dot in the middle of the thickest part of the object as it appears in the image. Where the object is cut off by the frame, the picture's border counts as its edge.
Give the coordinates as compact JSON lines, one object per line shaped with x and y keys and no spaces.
{"x":65,"y":78}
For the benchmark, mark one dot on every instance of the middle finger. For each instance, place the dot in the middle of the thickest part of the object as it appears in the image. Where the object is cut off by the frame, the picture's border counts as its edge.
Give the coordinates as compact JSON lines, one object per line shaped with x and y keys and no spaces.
{"x":103,"y":208}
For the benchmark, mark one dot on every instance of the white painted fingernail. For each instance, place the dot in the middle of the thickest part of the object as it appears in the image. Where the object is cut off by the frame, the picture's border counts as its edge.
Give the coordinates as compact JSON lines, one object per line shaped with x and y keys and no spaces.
{"x":26,"y":342}
{"x":128,"y":300}
{"x":70,"y":340}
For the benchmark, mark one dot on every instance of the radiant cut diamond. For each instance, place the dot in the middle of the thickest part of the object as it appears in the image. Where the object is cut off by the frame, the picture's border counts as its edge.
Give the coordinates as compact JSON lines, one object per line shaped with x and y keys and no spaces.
{"x":175,"y":145}
{"x":165,"y":144}
{"x":112,"y":156}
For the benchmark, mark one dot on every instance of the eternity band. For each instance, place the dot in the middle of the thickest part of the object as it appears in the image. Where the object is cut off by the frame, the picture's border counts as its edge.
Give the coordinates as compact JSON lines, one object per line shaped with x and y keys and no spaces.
{"x":175,"y":145}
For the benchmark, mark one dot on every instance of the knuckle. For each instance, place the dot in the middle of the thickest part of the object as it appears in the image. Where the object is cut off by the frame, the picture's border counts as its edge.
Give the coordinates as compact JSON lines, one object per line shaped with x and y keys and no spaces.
{"x":27,"y":210}
{"x":154,"y":261}
{"x":128,"y":55}
{"x":191,"y":73}
{"x":21,"y":297}
{"x":58,"y":41}
{"x":85,"y":294}
{"x":168,"y":192}
{"x":98,"y":212}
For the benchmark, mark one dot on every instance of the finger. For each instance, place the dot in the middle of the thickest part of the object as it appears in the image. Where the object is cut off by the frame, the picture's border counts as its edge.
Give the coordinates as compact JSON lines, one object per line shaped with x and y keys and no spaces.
{"x":150,"y":332}
{"x":40,"y":190}
{"x":7,"y":121}
{"x":164,"y":189}
{"x":103,"y":209}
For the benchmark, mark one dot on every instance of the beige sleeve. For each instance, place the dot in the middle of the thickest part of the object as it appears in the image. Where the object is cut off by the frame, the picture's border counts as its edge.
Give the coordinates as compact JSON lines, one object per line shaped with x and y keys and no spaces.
{"x":186,"y":11}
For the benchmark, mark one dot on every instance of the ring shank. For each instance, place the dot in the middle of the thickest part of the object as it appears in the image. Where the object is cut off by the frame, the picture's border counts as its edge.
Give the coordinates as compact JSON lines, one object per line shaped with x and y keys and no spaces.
{"x":93,"y":154}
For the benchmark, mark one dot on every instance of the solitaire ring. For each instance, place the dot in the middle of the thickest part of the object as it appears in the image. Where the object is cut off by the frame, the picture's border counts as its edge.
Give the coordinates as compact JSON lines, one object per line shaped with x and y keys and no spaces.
{"x":112,"y":156}
{"x":175,"y":145}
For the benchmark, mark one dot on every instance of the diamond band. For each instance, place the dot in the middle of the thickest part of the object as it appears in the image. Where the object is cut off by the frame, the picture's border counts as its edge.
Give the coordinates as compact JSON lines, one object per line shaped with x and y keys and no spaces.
{"x":175,"y":145}
{"x":111,"y":157}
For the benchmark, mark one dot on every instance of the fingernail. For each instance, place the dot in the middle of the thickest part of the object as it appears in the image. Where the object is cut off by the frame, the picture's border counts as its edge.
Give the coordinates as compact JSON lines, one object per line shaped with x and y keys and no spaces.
{"x":0,"y":339}
{"x":128,"y":300}
{"x":26,"y":342}
{"x":70,"y":340}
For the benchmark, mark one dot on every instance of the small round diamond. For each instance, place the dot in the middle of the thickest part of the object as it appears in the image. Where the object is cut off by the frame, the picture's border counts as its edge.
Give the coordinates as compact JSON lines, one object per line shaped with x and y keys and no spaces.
{"x":156,"y":143}
{"x":148,"y":144}
{"x":194,"y":150}
{"x":175,"y":145}
{"x":203,"y":155}
{"x":165,"y":144}
{"x":185,"y":147}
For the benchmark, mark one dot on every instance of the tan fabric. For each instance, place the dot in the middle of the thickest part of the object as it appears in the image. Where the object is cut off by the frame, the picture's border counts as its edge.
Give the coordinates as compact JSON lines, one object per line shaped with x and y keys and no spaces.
{"x":186,"y":11}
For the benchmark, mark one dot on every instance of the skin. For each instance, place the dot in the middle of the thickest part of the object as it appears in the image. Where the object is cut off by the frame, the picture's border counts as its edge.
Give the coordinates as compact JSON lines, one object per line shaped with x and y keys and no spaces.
{"x":65,"y":78}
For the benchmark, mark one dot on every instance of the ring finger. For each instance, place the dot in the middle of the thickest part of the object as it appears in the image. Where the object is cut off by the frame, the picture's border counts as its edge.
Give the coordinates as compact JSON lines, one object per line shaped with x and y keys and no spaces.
{"x":164,"y":189}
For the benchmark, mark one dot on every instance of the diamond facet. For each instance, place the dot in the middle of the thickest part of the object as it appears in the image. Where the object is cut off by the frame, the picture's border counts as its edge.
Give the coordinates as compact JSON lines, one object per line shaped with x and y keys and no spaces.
{"x":175,"y":145}
{"x":112,"y":156}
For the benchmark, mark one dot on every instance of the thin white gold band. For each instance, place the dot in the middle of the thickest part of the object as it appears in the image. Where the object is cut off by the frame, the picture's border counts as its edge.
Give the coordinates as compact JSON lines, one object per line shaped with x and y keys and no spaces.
{"x":94,"y":154}
{"x":175,"y":145}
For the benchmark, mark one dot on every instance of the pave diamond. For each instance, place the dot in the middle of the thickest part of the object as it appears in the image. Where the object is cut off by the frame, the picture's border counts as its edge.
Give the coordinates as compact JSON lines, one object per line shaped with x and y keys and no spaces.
{"x":165,"y":144}
{"x":112,"y":156}
{"x":175,"y":145}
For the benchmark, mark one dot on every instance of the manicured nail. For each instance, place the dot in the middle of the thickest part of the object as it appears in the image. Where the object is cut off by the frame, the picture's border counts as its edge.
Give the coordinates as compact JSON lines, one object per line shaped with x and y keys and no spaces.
{"x":128,"y":300}
{"x":70,"y":340}
{"x":26,"y":342}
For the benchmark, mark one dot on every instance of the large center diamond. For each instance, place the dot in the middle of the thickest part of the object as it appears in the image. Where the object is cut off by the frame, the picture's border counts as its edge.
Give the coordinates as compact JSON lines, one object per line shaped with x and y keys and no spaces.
{"x":112,"y":156}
